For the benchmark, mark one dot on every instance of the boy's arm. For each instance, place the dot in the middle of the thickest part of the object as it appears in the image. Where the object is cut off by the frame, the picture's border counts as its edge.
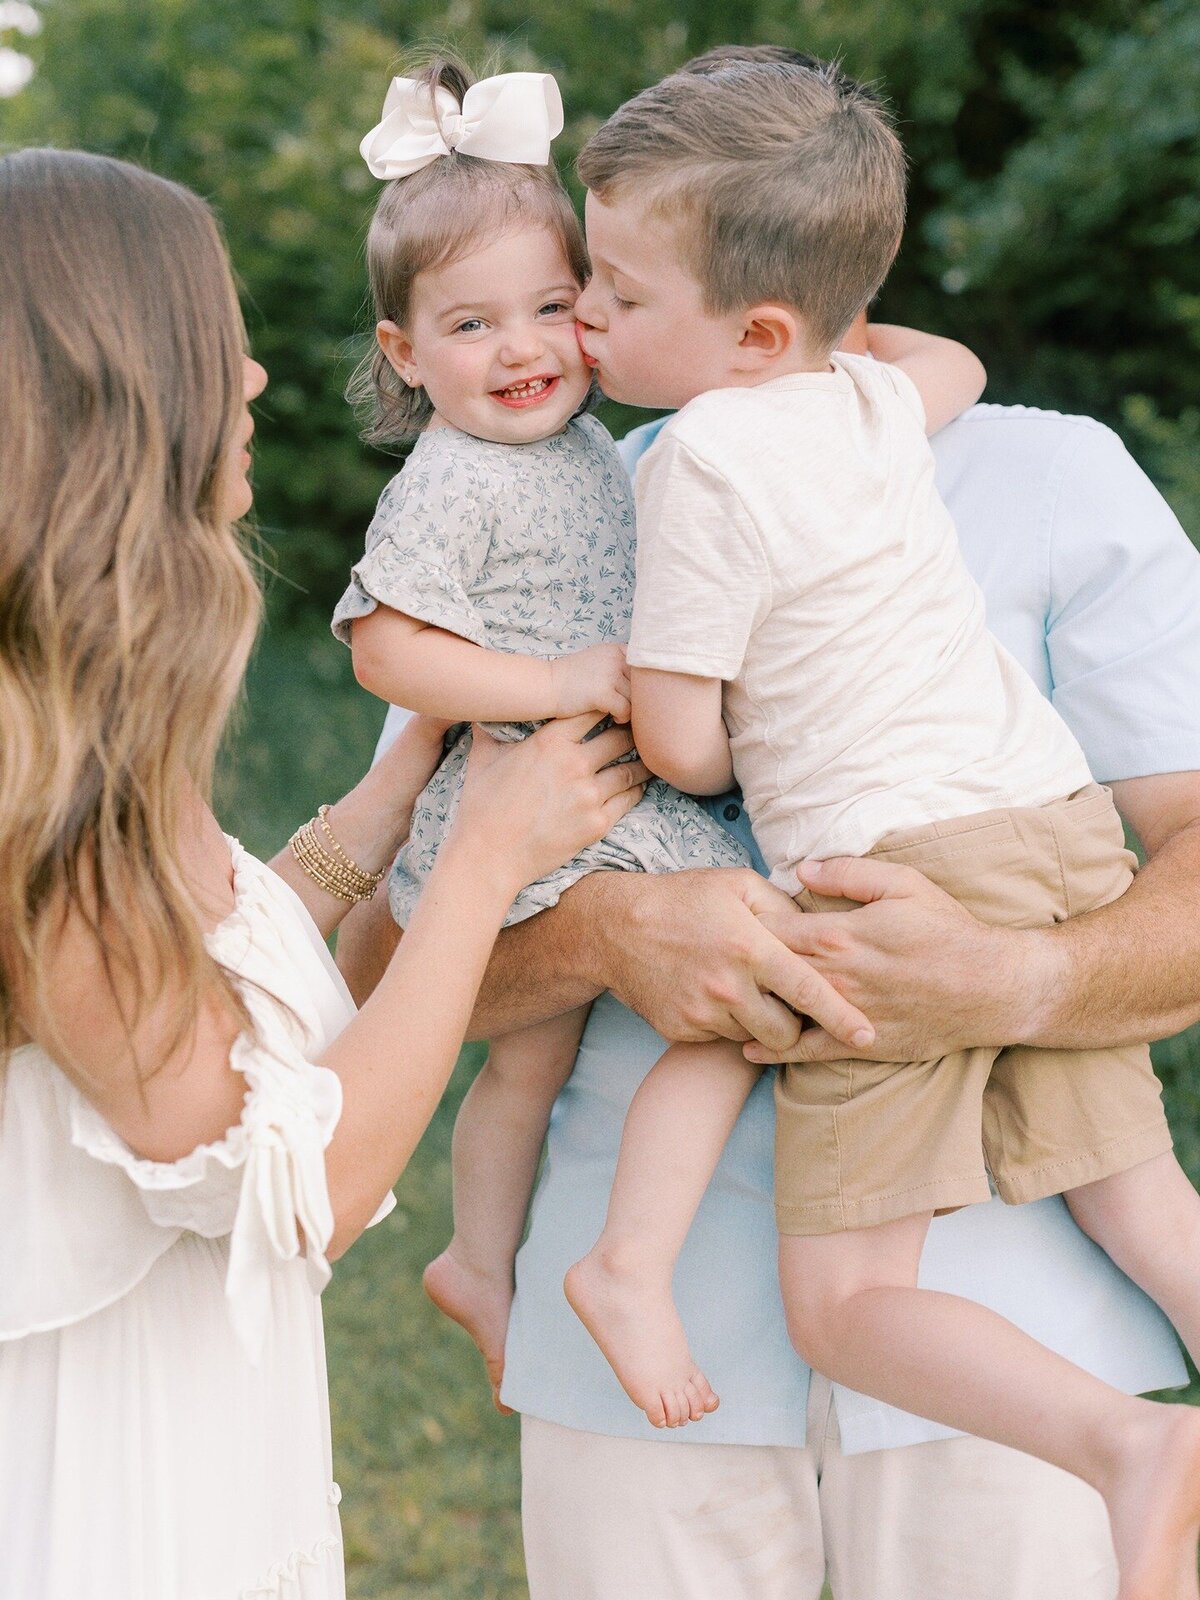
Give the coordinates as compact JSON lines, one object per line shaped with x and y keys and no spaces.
{"x":947,"y":376}
{"x":430,"y":670}
{"x":678,"y":730}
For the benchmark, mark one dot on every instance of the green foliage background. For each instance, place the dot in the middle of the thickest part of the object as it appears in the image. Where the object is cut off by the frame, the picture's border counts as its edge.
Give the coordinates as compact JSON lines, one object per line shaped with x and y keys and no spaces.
{"x":1055,"y":201}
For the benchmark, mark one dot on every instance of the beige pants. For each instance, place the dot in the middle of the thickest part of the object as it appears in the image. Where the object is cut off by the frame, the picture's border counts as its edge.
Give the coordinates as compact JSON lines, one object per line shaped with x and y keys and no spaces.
{"x":960,"y":1519}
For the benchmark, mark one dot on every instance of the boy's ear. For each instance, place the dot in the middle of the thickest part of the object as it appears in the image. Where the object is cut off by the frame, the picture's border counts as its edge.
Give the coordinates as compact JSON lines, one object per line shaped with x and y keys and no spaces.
{"x":397,"y":347}
{"x":768,"y":332}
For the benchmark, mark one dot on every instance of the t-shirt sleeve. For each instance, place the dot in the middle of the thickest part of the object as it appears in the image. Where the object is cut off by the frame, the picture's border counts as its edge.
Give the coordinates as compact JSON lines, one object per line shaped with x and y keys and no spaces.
{"x":900,"y":384}
{"x":1123,"y":624}
{"x":426,"y":547}
{"x":703,"y":583}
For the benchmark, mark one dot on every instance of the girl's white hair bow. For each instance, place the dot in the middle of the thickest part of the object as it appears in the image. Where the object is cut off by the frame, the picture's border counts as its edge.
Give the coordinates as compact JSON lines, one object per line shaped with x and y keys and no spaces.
{"x":512,"y":117}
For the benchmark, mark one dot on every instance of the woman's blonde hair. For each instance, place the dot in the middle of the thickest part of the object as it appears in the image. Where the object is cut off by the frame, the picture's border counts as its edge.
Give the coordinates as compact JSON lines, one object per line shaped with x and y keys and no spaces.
{"x":431,"y":218}
{"x":128,"y":607}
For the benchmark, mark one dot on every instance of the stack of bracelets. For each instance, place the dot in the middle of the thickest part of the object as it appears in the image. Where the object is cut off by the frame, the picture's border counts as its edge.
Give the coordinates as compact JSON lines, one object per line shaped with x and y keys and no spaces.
{"x":332,"y":869}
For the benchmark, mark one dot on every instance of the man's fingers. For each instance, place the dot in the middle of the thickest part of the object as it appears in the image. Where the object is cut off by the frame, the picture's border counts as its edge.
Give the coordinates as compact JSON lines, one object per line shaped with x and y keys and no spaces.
{"x":805,"y":990}
{"x":769,"y":1021}
{"x":856,"y":878}
{"x":815,"y":1045}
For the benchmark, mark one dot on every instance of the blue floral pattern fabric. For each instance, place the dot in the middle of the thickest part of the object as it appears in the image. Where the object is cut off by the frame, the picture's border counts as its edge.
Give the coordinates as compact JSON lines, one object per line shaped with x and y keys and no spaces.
{"x":525,"y":548}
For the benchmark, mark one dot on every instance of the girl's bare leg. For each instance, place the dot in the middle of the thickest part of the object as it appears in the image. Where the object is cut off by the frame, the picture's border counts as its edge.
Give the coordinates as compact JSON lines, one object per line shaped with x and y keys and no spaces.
{"x":856,"y":1314}
{"x":1148,"y":1220}
{"x":494,"y":1155}
{"x":677,"y":1126}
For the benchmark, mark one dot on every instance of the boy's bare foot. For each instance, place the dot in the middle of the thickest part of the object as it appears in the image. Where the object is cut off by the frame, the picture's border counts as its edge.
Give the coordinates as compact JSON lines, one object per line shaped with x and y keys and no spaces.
{"x":636,"y":1325}
{"x":478,"y":1303}
{"x":1154,"y":1506}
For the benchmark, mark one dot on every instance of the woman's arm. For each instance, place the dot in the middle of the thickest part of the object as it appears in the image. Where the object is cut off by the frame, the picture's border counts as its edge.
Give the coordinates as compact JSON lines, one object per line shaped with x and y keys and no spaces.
{"x":410,"y":663}
{"x":678,"y":730}
{"x":525,"y":809}
{"x":948,"y":377}
{"x":372,"y":821}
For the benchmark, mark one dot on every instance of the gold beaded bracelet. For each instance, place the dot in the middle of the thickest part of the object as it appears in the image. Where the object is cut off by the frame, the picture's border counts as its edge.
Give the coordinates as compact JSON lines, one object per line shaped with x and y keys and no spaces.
{"x":336,"y":873}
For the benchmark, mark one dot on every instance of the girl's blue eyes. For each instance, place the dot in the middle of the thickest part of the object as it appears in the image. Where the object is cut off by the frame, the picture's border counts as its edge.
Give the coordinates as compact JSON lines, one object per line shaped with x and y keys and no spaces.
{"x":552,"y":308}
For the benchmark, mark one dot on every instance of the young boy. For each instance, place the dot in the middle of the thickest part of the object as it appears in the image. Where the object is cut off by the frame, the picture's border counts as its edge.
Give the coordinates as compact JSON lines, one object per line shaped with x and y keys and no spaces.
{"x":738,"y":221}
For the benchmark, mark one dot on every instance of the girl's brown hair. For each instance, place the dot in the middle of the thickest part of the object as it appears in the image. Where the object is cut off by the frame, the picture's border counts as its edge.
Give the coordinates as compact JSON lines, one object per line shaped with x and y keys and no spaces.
{"x":429,"y":219}
{"x":127,"y":604}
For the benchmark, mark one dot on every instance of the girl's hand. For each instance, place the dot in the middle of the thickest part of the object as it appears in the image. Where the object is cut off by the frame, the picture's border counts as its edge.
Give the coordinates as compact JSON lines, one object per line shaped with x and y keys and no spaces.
{"x":534,"y":805}
{"x":596,"y":679}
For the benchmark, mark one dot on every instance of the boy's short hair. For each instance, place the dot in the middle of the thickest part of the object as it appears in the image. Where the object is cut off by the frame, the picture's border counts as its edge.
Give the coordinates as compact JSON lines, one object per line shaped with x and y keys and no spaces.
{"x":788,"y":182}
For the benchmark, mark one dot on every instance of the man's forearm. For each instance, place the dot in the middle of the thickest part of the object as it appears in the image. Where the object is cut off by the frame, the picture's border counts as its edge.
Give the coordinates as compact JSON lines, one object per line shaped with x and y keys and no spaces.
{"x":551,"y":963}
{"x":1130,"y":970}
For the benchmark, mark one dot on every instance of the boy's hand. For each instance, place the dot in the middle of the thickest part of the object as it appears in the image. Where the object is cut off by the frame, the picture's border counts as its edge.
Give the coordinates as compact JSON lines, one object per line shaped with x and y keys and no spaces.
{"x":596,"y":679}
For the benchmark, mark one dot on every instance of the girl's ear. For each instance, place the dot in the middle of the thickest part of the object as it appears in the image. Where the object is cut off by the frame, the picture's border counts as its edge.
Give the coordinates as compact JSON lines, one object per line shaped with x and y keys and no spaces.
{"x":397,"y":347}
{"x":768,"y":332}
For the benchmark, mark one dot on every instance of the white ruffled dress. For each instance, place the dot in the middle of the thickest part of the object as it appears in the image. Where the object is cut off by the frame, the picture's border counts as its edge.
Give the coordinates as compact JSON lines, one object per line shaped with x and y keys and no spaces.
{"x":164,"y":1413}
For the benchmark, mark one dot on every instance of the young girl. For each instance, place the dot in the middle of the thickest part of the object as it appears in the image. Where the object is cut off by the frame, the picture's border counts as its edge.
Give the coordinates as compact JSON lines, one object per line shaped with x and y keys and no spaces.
{"x":497,"y":585}
{"x":194,"y":1122}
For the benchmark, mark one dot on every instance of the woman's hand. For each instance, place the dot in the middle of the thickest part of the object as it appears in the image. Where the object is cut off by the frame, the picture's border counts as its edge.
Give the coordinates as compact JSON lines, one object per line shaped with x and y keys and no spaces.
{"x":535,"y":804}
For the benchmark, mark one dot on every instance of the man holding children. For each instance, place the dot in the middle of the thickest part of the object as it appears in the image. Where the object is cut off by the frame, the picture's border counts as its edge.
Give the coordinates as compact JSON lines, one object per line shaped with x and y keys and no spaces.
{"x":1094,"y":591}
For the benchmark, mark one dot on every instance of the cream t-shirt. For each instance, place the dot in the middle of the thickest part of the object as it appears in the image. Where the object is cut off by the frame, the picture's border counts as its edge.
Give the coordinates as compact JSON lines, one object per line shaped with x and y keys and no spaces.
{"x":791,"y":542}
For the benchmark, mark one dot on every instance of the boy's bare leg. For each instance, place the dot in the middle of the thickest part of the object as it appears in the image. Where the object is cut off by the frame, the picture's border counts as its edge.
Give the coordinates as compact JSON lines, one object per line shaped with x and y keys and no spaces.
{"x":1148,"y":1220}
{"x":677,"y":1126}
{"x":855,"y":1314}
{"x":497,"y":1144}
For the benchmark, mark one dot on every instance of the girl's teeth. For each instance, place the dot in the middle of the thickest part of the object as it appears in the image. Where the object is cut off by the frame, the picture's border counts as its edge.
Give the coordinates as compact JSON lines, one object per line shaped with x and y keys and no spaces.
{"x":519,"y":390}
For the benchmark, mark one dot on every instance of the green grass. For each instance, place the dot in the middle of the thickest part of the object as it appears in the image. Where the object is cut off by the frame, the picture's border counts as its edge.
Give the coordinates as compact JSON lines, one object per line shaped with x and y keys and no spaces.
{"x":428,"y":1469}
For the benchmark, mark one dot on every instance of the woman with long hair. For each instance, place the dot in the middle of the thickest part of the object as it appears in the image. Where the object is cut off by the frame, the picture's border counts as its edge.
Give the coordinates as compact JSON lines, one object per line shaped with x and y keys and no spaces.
{"x":193,"y":1122}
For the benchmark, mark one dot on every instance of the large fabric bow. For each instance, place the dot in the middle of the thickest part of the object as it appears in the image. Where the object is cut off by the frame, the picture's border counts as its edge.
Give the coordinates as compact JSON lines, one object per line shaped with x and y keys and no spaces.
{"x":509,"y":118}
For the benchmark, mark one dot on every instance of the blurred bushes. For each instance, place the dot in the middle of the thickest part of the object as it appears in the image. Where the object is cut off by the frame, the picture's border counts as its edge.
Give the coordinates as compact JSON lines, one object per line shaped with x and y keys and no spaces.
{"x":1055,"y":195}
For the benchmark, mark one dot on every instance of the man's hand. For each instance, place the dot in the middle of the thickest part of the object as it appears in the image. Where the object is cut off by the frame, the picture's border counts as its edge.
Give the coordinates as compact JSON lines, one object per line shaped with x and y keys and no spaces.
{"x":713,"y":954}
{"x":932,"y":977}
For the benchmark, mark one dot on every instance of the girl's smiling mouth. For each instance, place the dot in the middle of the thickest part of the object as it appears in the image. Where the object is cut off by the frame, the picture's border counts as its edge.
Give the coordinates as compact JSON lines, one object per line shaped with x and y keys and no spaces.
{"x":529,"y":392}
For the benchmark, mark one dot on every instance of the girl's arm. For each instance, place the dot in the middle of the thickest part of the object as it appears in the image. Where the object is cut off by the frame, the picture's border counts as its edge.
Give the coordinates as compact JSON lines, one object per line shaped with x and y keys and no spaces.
{"x":948,"y":377}
{"x":413,"y":664}
{"x":679,"y":732}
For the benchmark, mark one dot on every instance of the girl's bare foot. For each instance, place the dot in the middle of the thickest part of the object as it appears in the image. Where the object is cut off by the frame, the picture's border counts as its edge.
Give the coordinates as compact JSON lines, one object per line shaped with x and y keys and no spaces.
{"x":633,"y":1319}
{"x":1154,"y":1506}
{"x":478,"y":1303}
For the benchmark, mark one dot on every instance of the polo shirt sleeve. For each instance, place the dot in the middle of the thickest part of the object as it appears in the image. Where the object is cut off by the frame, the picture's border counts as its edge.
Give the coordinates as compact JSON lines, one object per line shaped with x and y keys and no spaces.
{"x":703,"y":584}
{"x":1123,"y":620}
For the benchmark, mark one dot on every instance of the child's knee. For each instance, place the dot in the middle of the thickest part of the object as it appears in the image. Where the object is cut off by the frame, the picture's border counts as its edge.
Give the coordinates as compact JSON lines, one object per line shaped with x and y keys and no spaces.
{"x":813,"y":1319}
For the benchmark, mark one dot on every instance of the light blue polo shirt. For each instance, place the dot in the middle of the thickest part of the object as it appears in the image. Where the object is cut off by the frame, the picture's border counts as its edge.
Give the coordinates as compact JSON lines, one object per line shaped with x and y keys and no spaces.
{"x":1092,"y":585}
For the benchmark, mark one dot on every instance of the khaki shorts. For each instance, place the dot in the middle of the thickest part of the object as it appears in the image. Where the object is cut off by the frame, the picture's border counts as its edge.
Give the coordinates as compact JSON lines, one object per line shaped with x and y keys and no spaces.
{"x":864,"y":1142}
